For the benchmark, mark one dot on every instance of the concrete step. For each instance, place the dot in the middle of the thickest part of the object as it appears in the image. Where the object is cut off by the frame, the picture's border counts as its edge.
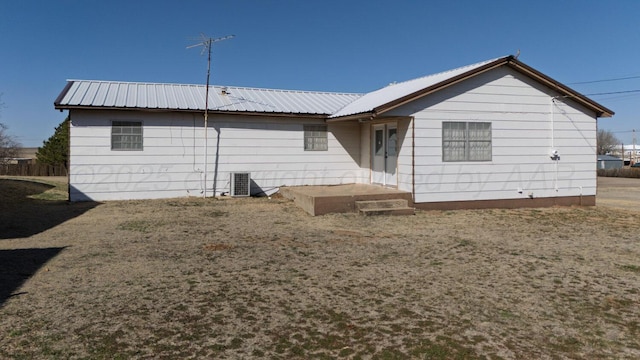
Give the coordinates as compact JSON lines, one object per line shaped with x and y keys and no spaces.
{"x":381,"y":204}
{"x":384,"y":207}
{"x":388,"y":211}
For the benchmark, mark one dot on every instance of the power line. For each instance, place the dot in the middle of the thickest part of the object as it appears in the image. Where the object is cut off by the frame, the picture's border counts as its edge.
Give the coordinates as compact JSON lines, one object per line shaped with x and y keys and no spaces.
{"x":614,"y":92}
{"x":620,"y":97}
{"x":605,"y":80}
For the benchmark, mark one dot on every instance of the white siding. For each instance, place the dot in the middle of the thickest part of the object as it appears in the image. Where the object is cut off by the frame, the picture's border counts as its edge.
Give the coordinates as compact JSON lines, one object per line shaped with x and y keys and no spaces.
{"x":525,"y":128}
{"x":365,"y":152}
{"x":405,"y":155}
{"x":523,"y":134}
{"x":172,"y":162}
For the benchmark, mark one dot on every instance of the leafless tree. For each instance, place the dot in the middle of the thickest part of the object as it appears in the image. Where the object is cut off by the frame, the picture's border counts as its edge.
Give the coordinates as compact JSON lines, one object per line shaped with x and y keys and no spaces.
{"x":607,"y":142}
{"x":8,"y":144}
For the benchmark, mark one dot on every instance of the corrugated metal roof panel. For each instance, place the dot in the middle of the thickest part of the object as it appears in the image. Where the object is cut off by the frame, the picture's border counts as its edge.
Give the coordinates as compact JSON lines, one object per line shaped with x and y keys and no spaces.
{"x":385,"y":95}
{"x":110,"y":94}
{"x":78,"y":93}
{"x":121,"y":95}
{"x":88,"y":93}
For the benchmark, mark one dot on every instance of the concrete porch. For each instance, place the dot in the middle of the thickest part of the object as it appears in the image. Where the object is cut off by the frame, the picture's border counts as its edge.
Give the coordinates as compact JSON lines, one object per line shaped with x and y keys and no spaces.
{"x":325,"y":199}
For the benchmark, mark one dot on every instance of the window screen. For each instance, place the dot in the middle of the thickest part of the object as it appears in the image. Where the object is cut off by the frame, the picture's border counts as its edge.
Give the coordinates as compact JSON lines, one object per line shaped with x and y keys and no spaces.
{"x":126,"y":135}
{"x":466,"y":141}
{"x":315,"y":138}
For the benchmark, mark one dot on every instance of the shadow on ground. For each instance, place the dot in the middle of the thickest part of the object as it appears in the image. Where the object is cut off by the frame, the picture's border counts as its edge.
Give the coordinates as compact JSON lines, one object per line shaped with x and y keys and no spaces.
{"x":18,"y":265}
{"x":22,"y":216}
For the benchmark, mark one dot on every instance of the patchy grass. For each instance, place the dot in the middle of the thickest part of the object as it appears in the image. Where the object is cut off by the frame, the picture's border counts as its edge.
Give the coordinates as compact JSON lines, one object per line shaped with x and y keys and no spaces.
{"x":632,"y":268}
{"x":57,"y":193}
{"x":41,"y":188}
{"x":258,"y":278}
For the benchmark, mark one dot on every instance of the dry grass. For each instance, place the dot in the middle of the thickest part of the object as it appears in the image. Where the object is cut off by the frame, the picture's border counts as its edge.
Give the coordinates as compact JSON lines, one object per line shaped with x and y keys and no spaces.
{"x":258,"y":278}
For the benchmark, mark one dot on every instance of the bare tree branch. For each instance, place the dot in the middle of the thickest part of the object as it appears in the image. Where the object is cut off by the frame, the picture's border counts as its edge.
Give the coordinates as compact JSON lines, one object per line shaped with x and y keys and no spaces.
{"x":8,"y":144}
{"x":607,"y":142}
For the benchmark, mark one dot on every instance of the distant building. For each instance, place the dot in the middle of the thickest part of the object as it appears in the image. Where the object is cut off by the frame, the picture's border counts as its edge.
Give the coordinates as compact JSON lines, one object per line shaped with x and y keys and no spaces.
{"x":609,"y":162}
{"x":24,"y":156}
{"x":626,"y":152}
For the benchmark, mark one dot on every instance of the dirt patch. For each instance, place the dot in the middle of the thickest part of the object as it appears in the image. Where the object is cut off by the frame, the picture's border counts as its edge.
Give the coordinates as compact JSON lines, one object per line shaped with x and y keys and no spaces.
{"x":619,"y":193}
{"x":258,"y":278}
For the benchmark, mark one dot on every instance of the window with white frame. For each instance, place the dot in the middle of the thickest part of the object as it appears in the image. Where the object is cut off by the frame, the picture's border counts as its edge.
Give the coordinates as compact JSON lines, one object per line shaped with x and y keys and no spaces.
{"x":315,"y":138}
{"x":466,"y":141}
{"x":126,"y":135}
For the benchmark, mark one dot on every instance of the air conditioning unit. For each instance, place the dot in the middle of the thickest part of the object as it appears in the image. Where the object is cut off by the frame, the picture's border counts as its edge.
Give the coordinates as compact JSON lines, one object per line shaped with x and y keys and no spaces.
{"x":240,"y":184}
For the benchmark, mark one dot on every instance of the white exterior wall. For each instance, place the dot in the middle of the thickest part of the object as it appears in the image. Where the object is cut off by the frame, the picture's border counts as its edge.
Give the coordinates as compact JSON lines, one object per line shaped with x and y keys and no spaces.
{"x":523,"y":133}
{"x":365,"y":152}
{"x":405,"y":154}
{"x":172,"y":162}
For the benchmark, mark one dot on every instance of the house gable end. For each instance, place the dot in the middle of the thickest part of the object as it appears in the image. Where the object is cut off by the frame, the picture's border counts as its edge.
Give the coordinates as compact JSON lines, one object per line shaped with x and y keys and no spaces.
{"x":389,"y":98}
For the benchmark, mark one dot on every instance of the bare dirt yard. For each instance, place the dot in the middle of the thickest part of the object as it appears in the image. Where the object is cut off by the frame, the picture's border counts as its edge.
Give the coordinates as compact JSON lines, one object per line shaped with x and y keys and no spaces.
{"x":259,"y":278}
{"x":619,"y":193}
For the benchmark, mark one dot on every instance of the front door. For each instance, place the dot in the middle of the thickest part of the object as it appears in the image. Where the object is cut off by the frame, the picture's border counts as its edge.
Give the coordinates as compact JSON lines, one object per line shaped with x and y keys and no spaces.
{"x":385,"y":154}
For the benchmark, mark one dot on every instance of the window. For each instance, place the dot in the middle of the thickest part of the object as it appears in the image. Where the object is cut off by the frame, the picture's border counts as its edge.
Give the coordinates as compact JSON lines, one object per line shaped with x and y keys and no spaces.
{"x":392,"y":141}
{"x":466,"y":141}
{"x":379,"y":139}
{"x":315,"y":138}
{"x":126,"y":135}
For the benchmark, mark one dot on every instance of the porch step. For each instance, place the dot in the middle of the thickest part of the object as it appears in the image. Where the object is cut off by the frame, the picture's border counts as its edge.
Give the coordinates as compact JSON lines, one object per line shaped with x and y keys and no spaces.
{"x":384,"y":207}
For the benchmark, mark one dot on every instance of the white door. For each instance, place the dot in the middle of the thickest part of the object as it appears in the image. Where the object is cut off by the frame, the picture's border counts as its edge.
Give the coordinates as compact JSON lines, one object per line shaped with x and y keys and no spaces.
{"x":385,"y":154}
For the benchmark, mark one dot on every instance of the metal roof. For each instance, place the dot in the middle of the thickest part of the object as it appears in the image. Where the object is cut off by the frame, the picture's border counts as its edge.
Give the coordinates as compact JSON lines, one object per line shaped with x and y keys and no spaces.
{"x":184,"y":97}
{"x":394,"y":95}
{"x":372,"y":100}
{"x":333,"y":106}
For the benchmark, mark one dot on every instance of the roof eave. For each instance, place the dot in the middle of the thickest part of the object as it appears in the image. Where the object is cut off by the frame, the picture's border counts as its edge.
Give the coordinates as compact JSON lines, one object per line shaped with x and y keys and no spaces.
{"x":199,"y":111}
{"x":359,"y":116}
{"x":63,"y":93}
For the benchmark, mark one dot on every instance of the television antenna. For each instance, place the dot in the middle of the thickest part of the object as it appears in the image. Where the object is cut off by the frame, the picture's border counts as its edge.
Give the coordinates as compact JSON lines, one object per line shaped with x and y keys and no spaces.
{"x":207,"y":44}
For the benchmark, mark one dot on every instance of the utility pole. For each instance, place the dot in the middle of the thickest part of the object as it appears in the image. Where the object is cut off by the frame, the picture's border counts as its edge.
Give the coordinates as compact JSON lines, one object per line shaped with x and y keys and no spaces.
{"x":207,"y":43}
{"x":635,"y":157}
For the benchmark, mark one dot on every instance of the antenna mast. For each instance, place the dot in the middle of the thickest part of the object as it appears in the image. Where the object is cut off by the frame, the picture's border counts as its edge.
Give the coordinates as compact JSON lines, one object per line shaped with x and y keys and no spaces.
{"x":207,"y":43}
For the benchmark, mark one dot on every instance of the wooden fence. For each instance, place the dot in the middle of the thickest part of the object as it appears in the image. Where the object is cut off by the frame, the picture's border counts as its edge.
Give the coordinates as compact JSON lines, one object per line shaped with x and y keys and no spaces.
{"x":32,"y":170}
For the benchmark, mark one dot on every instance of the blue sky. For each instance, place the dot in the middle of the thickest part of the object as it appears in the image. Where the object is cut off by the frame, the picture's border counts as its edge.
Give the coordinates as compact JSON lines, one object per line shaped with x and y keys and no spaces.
{"x":328,"y":45}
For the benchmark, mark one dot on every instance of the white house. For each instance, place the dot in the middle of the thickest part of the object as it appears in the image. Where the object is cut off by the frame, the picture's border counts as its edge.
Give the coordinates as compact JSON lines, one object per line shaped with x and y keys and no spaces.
{"x":630,"y":152}
{"x":492,"y":134}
